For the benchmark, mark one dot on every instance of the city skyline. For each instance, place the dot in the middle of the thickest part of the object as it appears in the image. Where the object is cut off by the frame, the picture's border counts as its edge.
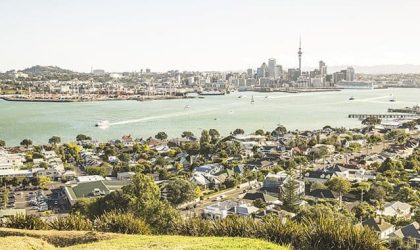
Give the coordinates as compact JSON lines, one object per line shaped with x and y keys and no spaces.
{"x":219,"y":36}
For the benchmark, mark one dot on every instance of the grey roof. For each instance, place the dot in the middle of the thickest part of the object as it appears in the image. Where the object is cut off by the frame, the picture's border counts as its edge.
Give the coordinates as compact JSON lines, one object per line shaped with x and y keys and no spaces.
{"x":409,"y":231}
{"x":377,"y":225}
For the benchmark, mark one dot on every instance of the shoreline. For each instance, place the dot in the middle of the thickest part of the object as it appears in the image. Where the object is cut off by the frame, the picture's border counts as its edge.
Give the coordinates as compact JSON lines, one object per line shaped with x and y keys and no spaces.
{"x":59,"y":100}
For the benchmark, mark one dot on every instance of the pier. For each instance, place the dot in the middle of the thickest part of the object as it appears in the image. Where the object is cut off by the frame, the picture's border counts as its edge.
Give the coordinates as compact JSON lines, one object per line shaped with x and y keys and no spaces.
{"x":363,"y":116}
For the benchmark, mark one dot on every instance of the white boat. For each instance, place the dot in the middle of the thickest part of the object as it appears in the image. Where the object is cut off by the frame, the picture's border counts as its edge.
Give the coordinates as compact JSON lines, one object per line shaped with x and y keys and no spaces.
{"x":102,"y":123}
{"x":187,"y":107}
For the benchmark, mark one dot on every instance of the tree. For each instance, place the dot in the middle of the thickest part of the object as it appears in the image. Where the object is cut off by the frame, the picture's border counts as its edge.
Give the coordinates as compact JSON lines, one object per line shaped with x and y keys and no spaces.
{"x":2,"y":143}
{"x":82,"y":137}
{"x":364,"y":211}
{"x":145,"y":202}
{"x":339,"y":185}
{"x":280,"y":130}
{"x":259,"y":203}
{"x":44,"y":181}
{"x":411,"y":125}
{"x":317,"y":185}
{"x":96,"y":170}
{"x":54,"y":140}
{"x":238,"y":131}
{"x":180,"y":191}
{"x":363,"y":187}
{"x":26,"y":142}
{"x":371,"y":121}
{"x":259,"y":132}
{"x":290,"y":193}
{"x":205,"y":137}
{"x":161,"y":136}
{"x":5,"y":198}
{"x":377,"y":193}
{"x":187,"y":134}
{"x":214,"y":134}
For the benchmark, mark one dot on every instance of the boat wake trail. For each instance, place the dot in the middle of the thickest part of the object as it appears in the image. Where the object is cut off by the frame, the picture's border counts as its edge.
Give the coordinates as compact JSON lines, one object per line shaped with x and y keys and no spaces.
{"x":157,"y":117}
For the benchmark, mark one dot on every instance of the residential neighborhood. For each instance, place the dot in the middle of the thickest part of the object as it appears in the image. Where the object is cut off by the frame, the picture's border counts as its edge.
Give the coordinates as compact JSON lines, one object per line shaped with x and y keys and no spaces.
{"x":279,"y":172}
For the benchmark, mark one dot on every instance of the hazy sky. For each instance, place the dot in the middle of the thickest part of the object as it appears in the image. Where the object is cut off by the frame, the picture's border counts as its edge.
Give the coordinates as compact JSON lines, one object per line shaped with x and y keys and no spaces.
{"x":129,"y":35}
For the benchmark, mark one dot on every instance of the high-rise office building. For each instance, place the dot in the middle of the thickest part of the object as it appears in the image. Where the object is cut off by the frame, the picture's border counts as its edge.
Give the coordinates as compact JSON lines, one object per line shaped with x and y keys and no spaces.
{"x":262,"y":71}
{"x":279,"y":70}
{"x":350,"y":74}
{"x":322,"y":68}
{"x":272,"y":68}
{"x":250,"y":73}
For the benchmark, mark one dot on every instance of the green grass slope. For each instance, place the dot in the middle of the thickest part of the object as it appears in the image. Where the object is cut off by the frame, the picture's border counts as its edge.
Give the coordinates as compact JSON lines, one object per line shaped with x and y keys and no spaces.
{"x":69,"y":240}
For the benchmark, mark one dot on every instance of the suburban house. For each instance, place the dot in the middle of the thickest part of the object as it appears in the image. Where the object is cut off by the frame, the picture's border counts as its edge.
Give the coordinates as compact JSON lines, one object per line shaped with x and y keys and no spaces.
{"x":396,"y":208}
{"x":244,"y":210}
{"x":209,"y":168}
{"x":125,"y":175}
{"x":219,"y":210}
{"x":274,"y":183}
{"x":266,"y":198}
{"x":324,"y":194}
{"x":380,"y":226}
{"x":411,"y":231}
{"x":323,"y":175}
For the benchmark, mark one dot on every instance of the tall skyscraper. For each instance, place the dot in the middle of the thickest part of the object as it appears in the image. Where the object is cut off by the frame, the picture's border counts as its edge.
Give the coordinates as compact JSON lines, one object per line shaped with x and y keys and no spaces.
{"x":322,"y":68}
{"x":300,"y":56}
{"x":250,"y":73}
{"x":262,"y":71}
{"x":279,"y":70}
{"x":272,"y":68}
{"x":350,"y":74}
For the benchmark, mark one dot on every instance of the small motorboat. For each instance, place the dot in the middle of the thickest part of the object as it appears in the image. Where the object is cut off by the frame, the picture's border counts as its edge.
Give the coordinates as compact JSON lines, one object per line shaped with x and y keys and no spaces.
{"x":187,"y":107}
{"x":351,"y":98}
{"x":252,"y":100}
{"x":103,"y":123}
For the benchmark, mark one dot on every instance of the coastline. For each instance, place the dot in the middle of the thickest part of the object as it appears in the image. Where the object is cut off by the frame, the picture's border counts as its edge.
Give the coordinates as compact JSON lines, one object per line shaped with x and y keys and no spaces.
{"x":91,"y":99}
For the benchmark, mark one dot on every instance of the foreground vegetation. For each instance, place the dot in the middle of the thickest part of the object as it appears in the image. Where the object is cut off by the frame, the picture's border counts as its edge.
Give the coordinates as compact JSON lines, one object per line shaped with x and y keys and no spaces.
{"x":25,"y":239}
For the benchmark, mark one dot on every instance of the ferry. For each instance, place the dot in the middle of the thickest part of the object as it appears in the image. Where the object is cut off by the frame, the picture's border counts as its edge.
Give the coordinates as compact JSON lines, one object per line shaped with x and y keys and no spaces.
{"x":102,"y":124}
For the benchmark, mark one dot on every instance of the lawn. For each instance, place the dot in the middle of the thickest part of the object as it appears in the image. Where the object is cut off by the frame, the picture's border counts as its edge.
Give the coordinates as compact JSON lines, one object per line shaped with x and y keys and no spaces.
{"x":27,"y":239}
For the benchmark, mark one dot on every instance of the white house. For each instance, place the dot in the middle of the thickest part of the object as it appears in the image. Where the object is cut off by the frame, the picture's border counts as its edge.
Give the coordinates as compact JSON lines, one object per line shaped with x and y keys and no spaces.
{"x":396,"y":208}
{"x":218,"y":210}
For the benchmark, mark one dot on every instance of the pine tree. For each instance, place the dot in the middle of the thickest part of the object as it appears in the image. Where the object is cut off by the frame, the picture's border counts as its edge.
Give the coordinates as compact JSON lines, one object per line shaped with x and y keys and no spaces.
{"x":290,"y":192}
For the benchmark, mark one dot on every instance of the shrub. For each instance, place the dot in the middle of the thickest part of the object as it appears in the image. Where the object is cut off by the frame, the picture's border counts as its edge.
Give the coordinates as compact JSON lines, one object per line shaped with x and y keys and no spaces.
{"x":332,"y":233}
{"x":195,"y":227}
{"x":121,"y":223}
{"x":21,"y":221}
{"x":71,"y":223}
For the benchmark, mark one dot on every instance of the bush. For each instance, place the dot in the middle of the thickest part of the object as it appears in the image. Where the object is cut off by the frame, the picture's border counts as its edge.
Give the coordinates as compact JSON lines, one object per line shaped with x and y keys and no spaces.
{"x":71,"y":223}
{"x":125,"y":223}
{"x":21,"y":221}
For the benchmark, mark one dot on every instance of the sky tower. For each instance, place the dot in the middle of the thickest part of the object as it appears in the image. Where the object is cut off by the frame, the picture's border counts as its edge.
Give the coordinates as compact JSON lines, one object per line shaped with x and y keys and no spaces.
{"x":300,"y":56}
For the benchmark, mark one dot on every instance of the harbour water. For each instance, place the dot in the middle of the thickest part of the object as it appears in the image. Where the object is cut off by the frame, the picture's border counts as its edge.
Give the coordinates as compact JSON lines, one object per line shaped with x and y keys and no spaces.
{"x":40,"y":121}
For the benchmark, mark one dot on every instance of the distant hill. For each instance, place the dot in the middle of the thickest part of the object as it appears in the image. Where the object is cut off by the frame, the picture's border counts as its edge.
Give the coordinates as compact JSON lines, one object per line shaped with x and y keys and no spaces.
{"x":75,"y":240}
{"x":43,"y":70}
